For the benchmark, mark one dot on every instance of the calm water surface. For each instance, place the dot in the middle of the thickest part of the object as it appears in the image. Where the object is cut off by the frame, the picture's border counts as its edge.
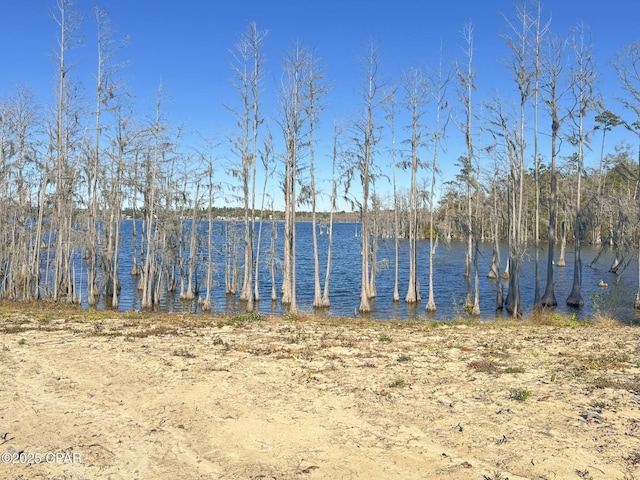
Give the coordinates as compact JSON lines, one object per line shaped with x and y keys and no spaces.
{"x":449,"y":282}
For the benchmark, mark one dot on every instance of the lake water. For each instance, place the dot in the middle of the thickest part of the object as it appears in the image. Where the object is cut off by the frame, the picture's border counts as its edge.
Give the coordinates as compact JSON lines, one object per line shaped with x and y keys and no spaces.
{"x":449,"y":282}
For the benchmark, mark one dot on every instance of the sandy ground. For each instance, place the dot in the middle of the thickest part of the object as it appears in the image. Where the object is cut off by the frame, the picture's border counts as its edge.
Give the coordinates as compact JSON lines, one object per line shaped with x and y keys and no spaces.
{"x":196,"y":397}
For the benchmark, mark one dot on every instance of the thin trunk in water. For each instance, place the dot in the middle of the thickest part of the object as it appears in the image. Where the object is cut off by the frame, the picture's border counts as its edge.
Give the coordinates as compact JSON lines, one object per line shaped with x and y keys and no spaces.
{"x":334,"y":193}
{"x":317,"y":292}
{"x":391,"y":105}
{"x":476,"y":299}
{"x":272,"y":259}
{"x":374,"y":251}
{"x":563,"y":245}
{"x":438,"y":89}
{"x":205,"y":304}
{"x":191,"y":293}
{"x":552,"y":84}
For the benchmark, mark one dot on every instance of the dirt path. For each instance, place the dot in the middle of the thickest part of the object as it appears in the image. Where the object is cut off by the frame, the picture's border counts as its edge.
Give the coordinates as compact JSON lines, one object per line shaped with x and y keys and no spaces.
{"x":191,"y":398}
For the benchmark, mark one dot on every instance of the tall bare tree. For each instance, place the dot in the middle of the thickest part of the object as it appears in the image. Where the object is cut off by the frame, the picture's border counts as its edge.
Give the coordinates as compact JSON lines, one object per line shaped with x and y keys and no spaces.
{"x":292,"y":101}
{"x":65,"y":145}
{"x":267,"y":164}
{"x":553,"y":89}
{"x":466,"y":78}
{"x":438,"y":82}
{"x":205,"y":303}
{"x":583,"y":78}
{"x":191,"y":273}
{"x":539,"y":31}
{"x":366,"y":137}
{"x":315,"y":91}
{"x":155,"y":154}
{"x":106,"y":99}
{"x":326,"y":302}
{"x":390,"y":106}
{"x":518,"y":41}
{"x":416,"y":98}
{"x":494,"y":272}
{"x":122,"y":148}
{"x":249,"y":60}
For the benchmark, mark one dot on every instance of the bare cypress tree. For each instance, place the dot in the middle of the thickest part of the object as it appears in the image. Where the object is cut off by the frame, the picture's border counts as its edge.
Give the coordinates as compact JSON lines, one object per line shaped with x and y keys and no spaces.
{"x":242,"y":143}
{"x":191,"y":290}
{"x":518,"y":42}
{"x":390,"y":108}
{"x":553,"y":91}
{"x":266,"y":157}
{"x":583,"y":78}
{"x":63,"y":143}
{"x":205,"y":303}
{"x":292,"y":95}
{"x":494,"y":272}
{"x":540,"y":30}
{"x":248,"y":70}
{"x":466,"y":76}
{"x":376,"y":206}
{"x":156,"y":152}
{"x":231,"y":256}
{"x":273,"y":254}
{"x":365,"y":140}
{"x":315,"y":90}
{"x":257,"y":47}
{"x":108,"y":98}
{"x":334,"y":193}
{"x":505,"y":132}
{"x":416,"y":99}
{"x":438,"y":83}
{"x":121,"y":149}
{"x":91,"y":249}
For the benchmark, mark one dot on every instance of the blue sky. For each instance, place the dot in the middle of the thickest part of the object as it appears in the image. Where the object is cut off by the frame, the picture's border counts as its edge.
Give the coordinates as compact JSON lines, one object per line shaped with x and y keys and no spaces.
{"x":187,"y":46}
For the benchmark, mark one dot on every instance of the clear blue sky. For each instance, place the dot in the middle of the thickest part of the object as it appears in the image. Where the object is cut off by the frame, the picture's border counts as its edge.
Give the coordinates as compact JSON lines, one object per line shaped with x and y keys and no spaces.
{"x":187,"y":46}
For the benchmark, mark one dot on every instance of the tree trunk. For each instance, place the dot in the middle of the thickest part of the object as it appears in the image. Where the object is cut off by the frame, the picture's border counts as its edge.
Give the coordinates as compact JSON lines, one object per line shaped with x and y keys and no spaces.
{"x":438,"y":86}
{"x":367,"y":129}
{"x":476,"y":299}
{"x":272,"y":259}
{"x":549,"y":297}
{"x":563,"y":245}
{"x":190,"y":292}
{"x":317,"y":292}
{"x":334,"y":193}
{"x":266,"y":163}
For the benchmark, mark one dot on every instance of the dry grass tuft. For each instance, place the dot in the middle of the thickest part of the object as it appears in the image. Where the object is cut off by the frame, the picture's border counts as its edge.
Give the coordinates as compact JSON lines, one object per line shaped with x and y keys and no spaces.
{"x":554,"y":319}
{"x":484,"y":366}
